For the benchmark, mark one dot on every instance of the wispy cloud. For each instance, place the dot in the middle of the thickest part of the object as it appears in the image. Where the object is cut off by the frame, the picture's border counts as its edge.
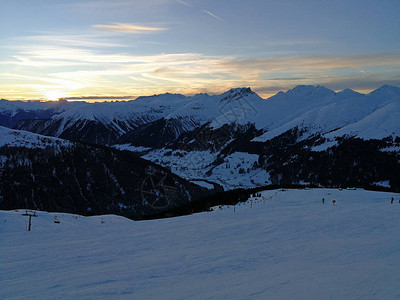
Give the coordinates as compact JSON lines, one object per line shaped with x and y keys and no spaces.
{"x":73,"y":71}
{"x":211,"y":14}
{"x":128,"y":28}
{"x":84,"y":40}
{"x":99,"y":98}
{"x":294,"y":64}
{"x":123,"y":4}
{"x":183,"y":2}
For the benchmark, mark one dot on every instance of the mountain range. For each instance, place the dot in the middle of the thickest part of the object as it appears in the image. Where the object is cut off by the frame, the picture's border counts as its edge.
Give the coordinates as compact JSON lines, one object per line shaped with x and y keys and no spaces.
{"x":307,"y":135}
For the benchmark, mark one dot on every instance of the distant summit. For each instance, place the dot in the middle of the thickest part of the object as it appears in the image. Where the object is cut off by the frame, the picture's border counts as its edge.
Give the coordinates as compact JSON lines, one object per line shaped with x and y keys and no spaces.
{"x":310,"y":90}
{"x":388,"y":90}
{"x":304,"y":92}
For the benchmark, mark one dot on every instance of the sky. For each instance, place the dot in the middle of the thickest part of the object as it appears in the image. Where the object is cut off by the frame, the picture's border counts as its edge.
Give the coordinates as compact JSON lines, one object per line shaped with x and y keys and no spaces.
{"x":121,"y":49}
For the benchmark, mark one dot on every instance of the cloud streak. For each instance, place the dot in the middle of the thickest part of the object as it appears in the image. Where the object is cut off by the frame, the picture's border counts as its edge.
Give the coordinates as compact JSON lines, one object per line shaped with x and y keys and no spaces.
{"x":99,"y":98}
{"x":128,"y":28}
{"x":88,"y":40}
{"x":80,"y":71}
{"x":211,"y":14}
{"x":183,"y":2}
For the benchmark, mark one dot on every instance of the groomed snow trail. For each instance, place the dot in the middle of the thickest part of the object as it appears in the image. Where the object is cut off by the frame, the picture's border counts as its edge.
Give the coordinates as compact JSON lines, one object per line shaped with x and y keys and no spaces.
{"x":284,"y":245}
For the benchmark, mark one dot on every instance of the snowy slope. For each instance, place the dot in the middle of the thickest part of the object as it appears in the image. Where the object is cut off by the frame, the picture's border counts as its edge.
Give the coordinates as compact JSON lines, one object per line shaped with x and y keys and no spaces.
{"x":113,"y":114}
{"x":236,"y":171}
{"x":20,"y":138}
{"x":336,"y":111}
{"x":11,"y":112}
{"x":12,"y":107}
{"x":381,"y":123}
{"x":285,"y":245}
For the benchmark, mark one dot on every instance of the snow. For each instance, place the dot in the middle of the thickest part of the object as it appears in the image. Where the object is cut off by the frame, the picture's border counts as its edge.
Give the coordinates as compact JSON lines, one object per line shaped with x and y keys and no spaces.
{"x":203,"y":184}
{"x":189,"y":165}
{"x":238,"y":170}
{"x":391,"y":149}
{"x":20,"y":138}
{"x":385,"y":183}
{"x":283,"y":245}
{"x":381,"y":123}
{"x":366,"y":116}
{"x":11,"y":108}
{"x":129,"y":147}
{"x":324,"y":146}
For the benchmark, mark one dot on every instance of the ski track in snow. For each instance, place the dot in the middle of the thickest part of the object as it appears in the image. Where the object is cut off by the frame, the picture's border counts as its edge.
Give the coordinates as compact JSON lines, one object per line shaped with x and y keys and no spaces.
{"x":284,"y":245}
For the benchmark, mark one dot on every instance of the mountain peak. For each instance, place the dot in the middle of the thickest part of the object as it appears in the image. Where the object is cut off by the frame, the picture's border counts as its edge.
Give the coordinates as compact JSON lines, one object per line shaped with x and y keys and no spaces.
{"x":348,"y":93}
{"x":240,"y":91}
{"x":387,"y":90}
{"x":201,"y":95}
{"x":310,"y":90}
{"x":304,"y":92}
{"x":236,"y":93}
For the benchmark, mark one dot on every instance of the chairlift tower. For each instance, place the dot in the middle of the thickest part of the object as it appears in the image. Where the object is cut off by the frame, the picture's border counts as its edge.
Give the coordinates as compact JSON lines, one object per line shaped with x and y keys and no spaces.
{"x":30,"y":214}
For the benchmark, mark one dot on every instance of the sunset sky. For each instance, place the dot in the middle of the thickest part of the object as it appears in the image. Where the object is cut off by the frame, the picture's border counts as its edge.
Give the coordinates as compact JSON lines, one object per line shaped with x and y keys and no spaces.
{"x":126,"y":48}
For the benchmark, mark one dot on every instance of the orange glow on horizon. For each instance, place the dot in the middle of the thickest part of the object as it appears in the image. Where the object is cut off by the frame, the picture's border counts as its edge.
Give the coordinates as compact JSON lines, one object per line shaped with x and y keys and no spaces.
{"x":55,"y":95}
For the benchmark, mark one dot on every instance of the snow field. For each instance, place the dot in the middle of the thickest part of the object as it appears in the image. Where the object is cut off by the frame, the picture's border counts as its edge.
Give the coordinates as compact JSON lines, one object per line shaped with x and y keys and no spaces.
{"x":20,"y":138}
{"x":239,"y":169}
{"x":283,"y":245}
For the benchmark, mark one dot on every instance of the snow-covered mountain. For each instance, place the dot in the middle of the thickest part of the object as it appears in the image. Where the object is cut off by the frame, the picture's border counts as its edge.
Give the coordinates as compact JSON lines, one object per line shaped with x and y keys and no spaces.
{"x":105,"y":123}
{"x":334,"y":111}
{"x":242,"y":140}
{"x":287,"y":138}
{"x":48,"y":173}
{"x":11,"y":112}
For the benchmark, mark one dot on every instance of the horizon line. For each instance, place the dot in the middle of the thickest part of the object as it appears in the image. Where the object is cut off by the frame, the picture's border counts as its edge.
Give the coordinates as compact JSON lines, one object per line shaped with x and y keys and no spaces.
{"x":116,"y":98}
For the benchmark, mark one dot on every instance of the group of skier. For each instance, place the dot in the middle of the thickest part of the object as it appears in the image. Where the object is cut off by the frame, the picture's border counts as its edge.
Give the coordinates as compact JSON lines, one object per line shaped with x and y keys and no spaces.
{"x":333,"y":201}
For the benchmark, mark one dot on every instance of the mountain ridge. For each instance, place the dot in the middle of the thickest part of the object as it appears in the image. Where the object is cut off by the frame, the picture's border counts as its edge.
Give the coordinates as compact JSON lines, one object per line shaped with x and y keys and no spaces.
{"x":242,"y":140}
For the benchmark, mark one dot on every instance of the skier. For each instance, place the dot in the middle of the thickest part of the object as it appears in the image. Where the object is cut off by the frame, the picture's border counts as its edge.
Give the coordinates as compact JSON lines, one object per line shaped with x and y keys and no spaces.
{"x":323,"y":200}
{"x":392,"y":200}
{"x":333,"y":202}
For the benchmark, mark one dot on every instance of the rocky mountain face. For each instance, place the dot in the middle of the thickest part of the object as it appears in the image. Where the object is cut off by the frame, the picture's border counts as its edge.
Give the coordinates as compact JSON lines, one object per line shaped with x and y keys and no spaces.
{"x":309,"y":134}
{"x":51,"y":174}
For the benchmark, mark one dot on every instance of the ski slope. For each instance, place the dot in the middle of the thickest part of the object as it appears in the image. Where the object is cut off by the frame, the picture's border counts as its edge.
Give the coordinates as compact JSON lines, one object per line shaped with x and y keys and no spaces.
{"x":284,"y":245}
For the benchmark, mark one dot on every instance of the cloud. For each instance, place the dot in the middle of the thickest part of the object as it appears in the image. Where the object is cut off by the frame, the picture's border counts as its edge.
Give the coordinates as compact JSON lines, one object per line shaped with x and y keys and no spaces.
{"x":98,"y":98}
{"x":211,"y":14}
{"x":128,"y":28}
{"x":76,"y":71}
{"x":183,"y":2}
{"x":89,"y":41}
{"x":123,"y":4}
{"x":312,"y":64}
